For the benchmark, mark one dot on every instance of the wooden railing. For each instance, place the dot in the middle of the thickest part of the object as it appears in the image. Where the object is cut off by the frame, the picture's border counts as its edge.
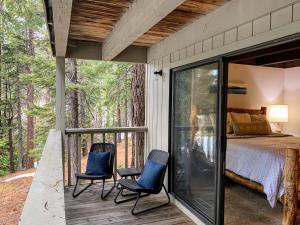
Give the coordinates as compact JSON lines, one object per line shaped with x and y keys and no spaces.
{"x":106,"y":135}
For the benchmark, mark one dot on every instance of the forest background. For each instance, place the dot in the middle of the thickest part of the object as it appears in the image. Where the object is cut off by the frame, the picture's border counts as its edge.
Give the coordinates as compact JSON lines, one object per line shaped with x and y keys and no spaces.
{"x":98,"y":94}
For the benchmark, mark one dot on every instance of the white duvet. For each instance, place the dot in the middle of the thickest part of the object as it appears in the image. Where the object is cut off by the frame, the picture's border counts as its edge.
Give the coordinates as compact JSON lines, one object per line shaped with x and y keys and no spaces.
{"x":261,"y":159}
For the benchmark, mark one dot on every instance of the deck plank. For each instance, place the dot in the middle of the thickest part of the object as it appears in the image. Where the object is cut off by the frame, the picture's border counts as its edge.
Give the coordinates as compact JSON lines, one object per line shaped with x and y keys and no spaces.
{"x":90,"y":209}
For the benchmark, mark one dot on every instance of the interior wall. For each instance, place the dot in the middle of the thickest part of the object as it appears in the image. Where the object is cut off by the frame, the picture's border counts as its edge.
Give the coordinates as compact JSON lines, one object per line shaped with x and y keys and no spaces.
{"x":264,"y":86}
{"x":292,"y":99}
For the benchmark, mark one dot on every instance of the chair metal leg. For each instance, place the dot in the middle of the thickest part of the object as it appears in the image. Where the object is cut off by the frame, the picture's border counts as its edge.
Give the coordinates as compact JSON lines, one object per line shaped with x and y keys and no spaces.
{"x":77,"y":194}
{"x":147,"y":210}
{"x":128,"y":199}
{"x":103,"y":196}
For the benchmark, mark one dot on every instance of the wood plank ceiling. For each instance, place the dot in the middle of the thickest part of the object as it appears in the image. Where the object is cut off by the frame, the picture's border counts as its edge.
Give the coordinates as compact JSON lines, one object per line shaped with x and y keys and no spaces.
{"x":93,"y":20}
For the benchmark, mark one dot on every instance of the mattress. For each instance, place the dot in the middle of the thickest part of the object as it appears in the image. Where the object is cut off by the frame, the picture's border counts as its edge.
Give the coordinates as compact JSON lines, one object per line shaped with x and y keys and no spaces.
{"x":261,"y":159}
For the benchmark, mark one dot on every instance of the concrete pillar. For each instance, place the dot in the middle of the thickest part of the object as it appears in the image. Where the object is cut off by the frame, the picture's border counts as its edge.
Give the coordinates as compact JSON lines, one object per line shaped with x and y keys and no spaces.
{"x":60,"y":93}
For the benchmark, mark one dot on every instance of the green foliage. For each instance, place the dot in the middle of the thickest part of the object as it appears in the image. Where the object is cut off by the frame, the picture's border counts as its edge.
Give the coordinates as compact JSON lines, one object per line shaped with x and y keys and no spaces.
{"x":103,"y":87}
{"x":18,"y":69}
{"x":4,"y":159}
{"x":106,"y":86}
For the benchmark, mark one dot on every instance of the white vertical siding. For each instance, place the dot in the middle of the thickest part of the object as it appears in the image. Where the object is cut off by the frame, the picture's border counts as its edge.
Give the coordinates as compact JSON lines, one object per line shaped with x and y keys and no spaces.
{"x":259,"y":23}
{"x":236,"y":25}
{"x":165,"y":101}
{"x":159,"y":106}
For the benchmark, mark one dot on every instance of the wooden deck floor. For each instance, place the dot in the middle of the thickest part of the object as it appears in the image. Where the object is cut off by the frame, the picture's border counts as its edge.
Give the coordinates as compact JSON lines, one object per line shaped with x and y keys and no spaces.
{"x":90,"y":209}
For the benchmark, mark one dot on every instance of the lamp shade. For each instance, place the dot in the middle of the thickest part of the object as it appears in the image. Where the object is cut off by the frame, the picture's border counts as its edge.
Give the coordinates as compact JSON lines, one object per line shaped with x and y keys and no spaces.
{"x":278,"y":113}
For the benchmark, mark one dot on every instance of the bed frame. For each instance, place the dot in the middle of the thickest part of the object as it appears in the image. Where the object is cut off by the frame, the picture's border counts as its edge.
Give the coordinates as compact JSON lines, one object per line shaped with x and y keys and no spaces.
{"x":291,"y":176}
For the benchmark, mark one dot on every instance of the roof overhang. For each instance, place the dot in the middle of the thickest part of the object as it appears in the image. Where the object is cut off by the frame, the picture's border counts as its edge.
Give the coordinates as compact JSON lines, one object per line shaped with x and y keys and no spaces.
{"x":117,"y":30}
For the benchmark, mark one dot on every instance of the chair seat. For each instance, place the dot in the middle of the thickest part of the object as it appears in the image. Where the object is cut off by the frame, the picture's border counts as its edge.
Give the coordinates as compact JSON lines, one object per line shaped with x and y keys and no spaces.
{"x":92,"y":177}
{"x":132,"y":185}
{"x":126,"y":172}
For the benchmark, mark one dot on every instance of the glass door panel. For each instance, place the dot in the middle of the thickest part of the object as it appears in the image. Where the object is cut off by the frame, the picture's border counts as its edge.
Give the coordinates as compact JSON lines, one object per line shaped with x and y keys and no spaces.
{"x":194,"y":138}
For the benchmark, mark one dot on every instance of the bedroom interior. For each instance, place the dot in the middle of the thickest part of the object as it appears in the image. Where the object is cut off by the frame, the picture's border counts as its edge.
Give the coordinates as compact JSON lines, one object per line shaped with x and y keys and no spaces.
{"x":262,"y":156}
{"x":263,"y":138}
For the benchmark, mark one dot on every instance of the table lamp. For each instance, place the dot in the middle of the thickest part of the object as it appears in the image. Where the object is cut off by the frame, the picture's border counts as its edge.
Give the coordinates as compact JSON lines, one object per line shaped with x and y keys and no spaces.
{"x":278,"y":114}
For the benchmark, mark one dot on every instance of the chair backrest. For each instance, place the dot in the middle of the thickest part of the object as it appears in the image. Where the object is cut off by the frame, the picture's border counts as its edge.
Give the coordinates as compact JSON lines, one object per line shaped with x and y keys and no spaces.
{"x":160,"y":157}
{"x":105,"y":147}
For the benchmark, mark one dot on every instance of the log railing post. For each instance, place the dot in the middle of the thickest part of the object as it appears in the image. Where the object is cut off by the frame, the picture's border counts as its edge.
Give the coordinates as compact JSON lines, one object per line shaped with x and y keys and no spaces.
{"x":69,"y":159}
{"x":79,"y":154}
{"x":116,"y":154}
{"x":135,"y":151}
{"x":291,"y":177}
{"x":126,"y":149}
{"x":92,"y":138}
{"x":103,"y":137}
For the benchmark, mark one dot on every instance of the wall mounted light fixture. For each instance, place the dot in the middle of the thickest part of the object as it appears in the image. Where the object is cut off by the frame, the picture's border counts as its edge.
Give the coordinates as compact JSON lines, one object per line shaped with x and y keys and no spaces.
{"x":160,"y":72}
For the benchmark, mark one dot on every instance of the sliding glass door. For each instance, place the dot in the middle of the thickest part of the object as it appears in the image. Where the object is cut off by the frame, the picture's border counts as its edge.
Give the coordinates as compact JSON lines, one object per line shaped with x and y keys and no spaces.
{"x":196,"y":146}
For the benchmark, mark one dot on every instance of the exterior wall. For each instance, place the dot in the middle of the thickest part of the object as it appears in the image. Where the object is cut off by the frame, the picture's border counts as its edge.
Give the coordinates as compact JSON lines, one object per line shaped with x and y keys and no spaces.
{"x":291,"y":98}
{"x":258,"y":93}
{"x":236,"y":25}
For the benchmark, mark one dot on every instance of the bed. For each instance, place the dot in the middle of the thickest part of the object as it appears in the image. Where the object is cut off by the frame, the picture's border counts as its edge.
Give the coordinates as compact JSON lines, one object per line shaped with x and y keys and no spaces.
{"x":266,"y":163}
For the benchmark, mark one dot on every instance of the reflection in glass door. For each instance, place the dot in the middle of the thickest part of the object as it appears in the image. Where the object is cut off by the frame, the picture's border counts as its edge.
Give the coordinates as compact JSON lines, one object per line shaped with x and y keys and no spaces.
{"x":194,"y":138}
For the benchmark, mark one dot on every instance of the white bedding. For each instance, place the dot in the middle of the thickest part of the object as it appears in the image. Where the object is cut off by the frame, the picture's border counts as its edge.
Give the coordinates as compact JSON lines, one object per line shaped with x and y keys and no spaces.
{"x":261,"y":159}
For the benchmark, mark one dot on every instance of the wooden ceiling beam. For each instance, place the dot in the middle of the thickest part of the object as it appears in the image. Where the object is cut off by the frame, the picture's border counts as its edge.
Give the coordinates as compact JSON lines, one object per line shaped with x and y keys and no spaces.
{"x":92,"y":51}
{"x":61,"y":17}
{"x":137,"y":20}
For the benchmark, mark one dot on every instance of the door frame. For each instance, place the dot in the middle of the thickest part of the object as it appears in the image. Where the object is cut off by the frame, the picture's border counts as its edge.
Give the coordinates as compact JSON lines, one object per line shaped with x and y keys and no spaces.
{"x":220,"y":131}
{"x":224,"y":60}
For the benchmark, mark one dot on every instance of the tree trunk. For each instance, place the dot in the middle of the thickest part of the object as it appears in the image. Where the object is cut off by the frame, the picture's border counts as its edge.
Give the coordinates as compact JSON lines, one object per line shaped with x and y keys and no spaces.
{"x":82,"y":116}
{"x":73,"y":117}
{"x":29,"y":163}
{"x":126,"y":113}
{"x":11,"y":147}
{"x":0,"y":73}
{"x":20,"y":128}
{"x":9,"y":118}
{"x":119,"y":122}
{"x":138,"y":111}
{"x":126,"y":105}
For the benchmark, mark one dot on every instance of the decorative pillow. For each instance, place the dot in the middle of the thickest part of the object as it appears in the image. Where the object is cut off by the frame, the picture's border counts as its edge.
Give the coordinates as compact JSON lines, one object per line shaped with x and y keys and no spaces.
{"x":98,"y":163}
{"x":254,"y":128}
{"x":229,"y":128}
{"x":241,"y":117}
{"x":258,"y":118}
{"x":151,"y":176}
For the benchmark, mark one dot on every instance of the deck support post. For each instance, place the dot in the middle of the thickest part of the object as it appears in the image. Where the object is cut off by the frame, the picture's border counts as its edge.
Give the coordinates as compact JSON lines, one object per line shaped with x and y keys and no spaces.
{"x":60,"y":93}
{"x":60,"y":104}
{"x":291,"y":174}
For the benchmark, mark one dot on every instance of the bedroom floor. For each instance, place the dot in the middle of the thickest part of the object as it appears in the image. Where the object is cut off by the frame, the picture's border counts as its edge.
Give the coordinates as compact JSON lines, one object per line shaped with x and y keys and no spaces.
{"x":247,"y":207}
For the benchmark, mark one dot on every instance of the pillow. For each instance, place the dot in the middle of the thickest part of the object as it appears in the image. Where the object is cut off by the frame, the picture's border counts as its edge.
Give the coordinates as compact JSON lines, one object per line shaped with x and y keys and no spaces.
{"x":151,"y":176}
{"x":258,"y":118}
{"x":254,"y":128}
{"x":98,"y":163}
{"x":229,"y":128}
{"x":241,"y":117}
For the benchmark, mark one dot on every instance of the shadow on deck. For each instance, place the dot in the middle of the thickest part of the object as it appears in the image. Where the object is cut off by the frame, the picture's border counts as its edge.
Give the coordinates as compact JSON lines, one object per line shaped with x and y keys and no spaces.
{"x":90,"y":209}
